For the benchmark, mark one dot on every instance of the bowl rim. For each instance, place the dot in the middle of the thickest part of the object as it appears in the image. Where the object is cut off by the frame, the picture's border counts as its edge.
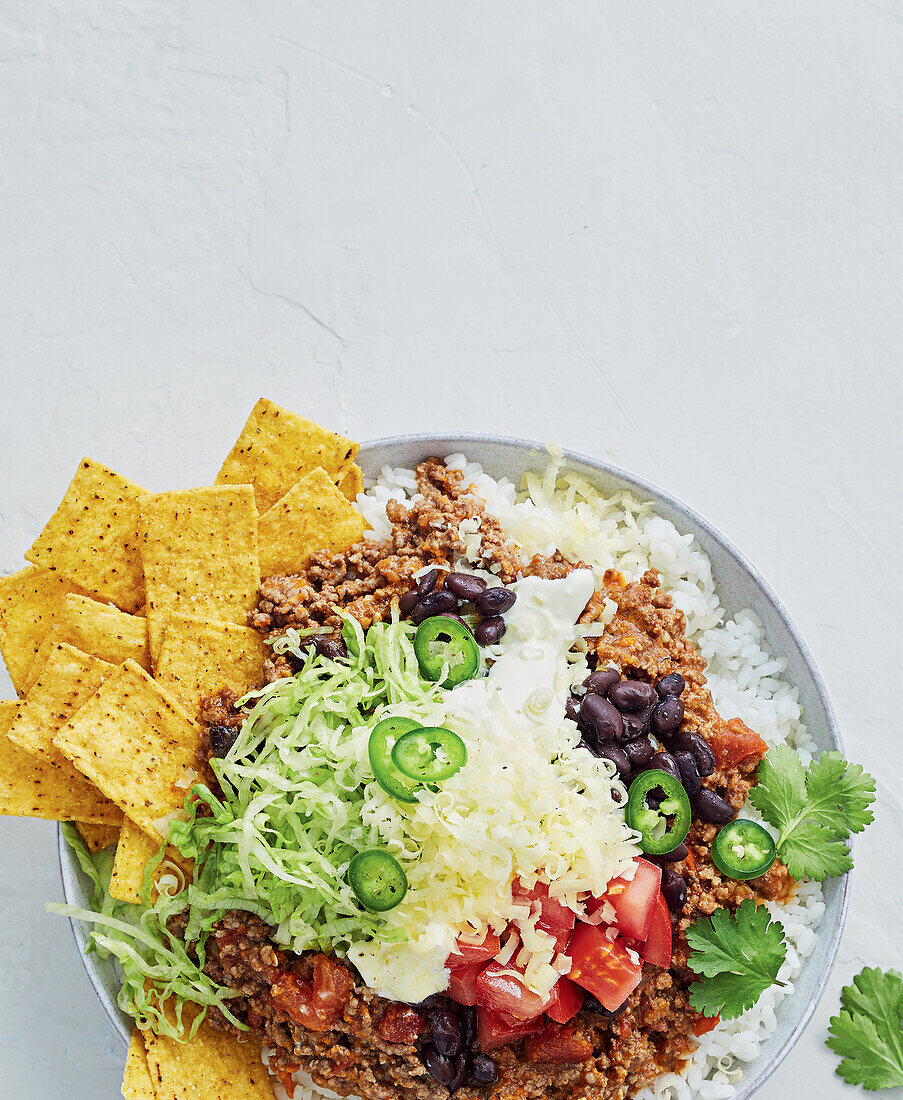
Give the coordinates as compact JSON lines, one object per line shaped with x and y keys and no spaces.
{"x":641,"y":486}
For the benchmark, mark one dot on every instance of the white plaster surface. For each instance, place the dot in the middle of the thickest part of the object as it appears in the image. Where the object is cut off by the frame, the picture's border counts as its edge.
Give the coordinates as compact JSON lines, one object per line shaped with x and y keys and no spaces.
{"x":667,"y":233}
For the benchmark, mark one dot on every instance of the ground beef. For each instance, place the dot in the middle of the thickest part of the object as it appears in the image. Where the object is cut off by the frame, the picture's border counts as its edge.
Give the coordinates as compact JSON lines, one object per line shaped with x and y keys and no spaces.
{"x":367,"y":578}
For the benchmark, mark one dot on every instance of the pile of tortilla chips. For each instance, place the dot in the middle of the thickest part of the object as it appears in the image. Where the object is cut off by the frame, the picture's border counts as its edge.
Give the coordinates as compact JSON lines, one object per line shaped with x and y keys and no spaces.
{"x":134,"y":608}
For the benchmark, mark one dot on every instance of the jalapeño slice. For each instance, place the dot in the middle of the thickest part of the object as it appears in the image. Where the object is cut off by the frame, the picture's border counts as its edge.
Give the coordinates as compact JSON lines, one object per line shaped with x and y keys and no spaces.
{"x":382,"y":741}
{"x":429,"y":754}
{"x":377,"y":879}
{"x":743,"y":849}
{"x":662,"y":829}
{"x":443,"y":642}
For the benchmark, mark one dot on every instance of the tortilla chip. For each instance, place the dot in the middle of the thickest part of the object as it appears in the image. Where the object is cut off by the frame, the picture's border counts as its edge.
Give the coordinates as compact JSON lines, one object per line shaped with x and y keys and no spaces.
{"x":214,"y":1065}
{"x":313,"y":515}
{"x":134,"y":740}
{"x":277,"y":447}
{"x":200,"y":555}
{"x":351,"y":482}
{"x":200,"y":657}
{"x":136,"y":1083}
{"x":96,"y":628}
{"x":32,"y":787}
{"x":29,"y":599}
{"x":97,"y":837}
{"x":92,"y":537}
{"x":133,"y":851}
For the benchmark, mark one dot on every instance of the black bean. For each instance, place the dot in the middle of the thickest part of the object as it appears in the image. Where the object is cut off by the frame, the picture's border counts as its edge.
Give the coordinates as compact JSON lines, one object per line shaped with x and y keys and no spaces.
{"x":331,"y":648}
{"x":495,"y":601}
{"x":608,"y":750}
{"x":489,"y":631}
{"x":601,"y":680}
{"x":222,"y":738}
{"x":689,"y":773}
{"x":465,"y":586}
{"x":408,"y":602}
{"x":434,"y":603}
{"x":632,"y":695}
{"x":708,"y":806}
{"x":440,"y":1068}
{"x":599,"y":717}
{"x":591,"y":1004}
{"x":459,"y":1067}
{"x":688,"y":741}
{"x":572,"y":708}
{"x":672,"y":684}
{"x":633,"y":727}
{"x":446,"y":1029}
{"x":427,"y":582}
{"x":667,"y":716}
{"x":483,"y":1070}
{"x":468,"y":1026}
{"x":664,"y":762}
{"x":674,"y":890}
{"x":639,"y":752}
{"x":676,"y":855}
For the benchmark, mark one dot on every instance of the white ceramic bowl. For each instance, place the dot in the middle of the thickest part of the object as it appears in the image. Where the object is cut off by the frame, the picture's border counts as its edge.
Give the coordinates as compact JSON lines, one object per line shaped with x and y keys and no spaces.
{"x":739,"y":586}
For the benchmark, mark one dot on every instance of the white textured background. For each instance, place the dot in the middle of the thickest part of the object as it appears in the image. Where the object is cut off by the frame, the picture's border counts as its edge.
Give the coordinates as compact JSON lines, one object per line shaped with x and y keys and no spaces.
{"x":665,"y":232}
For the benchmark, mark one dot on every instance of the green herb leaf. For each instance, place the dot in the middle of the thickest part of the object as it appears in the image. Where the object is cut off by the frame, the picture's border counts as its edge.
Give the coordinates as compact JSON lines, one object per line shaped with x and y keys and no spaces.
{"x":737,"y":955}
{"x":868,"y":1033}
{"x":813,"y":809}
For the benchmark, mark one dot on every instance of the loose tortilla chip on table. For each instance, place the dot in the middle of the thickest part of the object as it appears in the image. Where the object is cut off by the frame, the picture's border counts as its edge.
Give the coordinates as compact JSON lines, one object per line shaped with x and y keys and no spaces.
{"x":200,"y":555}
{"x":313,"y":515}
{"x":198,"y":657}
{"x":134,"y":850}
{"x":96,"y":628}
{"x":276,"y":448}
{"x":92,"y":537}
{"x":134,"y":740}
{"x":214,"y":1065}
{"x":32,"y":787}
{"x":351,"y":482}
{"x":97,"y":837}
{"x":29,"y":600}
{"x":136,"y":1083}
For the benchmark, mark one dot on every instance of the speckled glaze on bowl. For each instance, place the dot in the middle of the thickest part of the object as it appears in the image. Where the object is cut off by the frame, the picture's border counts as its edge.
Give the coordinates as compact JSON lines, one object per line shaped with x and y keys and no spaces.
{"x":739,"y":586}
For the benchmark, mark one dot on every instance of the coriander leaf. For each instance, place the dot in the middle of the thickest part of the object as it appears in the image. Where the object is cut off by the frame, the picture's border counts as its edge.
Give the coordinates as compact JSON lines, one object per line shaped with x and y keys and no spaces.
{"x":867,"y":1034}
{"x":839,"y":794}
{"x":738,"y":956}
{"x":811,"y":851}
{"x":781,"y":791}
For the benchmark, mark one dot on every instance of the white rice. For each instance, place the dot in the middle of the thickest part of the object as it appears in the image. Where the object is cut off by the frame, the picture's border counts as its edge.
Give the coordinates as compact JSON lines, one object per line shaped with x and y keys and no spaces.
{"x":744,"y":676}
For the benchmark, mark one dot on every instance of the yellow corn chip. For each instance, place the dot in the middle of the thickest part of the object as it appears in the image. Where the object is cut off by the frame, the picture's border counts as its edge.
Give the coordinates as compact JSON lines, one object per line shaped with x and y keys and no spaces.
{"x":92,"y":537}
{"x":134,"y":740}
{"x":97,"y":837}
{"x":137,"y":1084}
{"x":96,"y":628}
{"x":29,"y":599}
{"x":200,"y":555}
{"x":313,"y":515}
{"x":214,"y":1065}
{"x":277,"y":447}
{"x":133,"y":851}
{"x":32,"y":787}
{"x":199,"y":657}
{"x":351,"y":482}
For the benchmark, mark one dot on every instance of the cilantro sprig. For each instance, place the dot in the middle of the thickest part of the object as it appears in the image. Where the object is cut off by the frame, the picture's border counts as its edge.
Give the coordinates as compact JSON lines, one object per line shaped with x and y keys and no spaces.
{"x":738,"y":956}
{"x":868,"y":1033}
{"x":814,"y":809}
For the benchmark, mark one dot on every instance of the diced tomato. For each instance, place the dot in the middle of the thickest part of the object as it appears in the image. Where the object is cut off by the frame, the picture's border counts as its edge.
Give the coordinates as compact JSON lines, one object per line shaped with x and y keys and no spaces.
{"x":462,"y":983}
{"x":555,"y":918}
{"x":318,"y":1006}
{"x":558,"y":1044}
{"x":400,"y":1024}
{"x":634,"y":901}
{"x":735,"y":743}
{"x":496,"y":1030}
{"x":566,"y":1002}
{"x":691,"y":860}
{"x":602,"y":966}
{"x":466,"y":954}
{"x":656,"y":948}
{"x":705,"y":1024}
{"x":503,"y":992}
